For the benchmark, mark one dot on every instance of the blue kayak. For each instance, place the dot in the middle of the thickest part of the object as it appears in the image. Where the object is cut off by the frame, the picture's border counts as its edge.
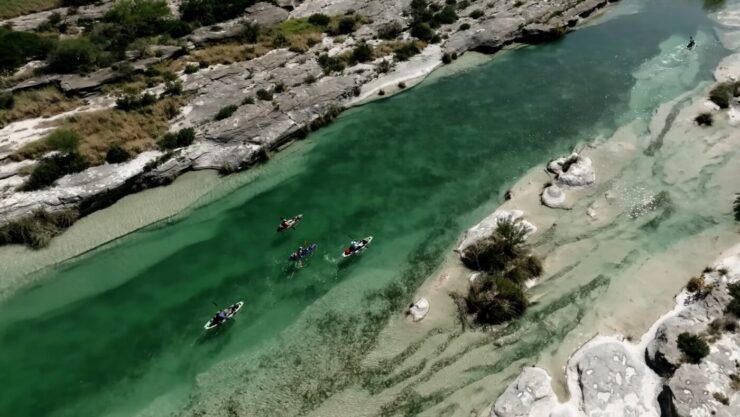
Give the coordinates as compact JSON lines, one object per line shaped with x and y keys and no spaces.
{"x":303,"y":252}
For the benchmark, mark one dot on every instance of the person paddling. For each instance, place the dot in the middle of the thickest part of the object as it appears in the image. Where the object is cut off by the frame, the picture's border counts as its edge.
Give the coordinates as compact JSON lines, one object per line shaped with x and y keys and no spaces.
{"x":692,"y":43}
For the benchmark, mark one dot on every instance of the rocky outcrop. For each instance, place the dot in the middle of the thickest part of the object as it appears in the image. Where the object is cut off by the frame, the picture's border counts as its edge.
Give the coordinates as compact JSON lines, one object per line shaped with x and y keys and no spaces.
{"x":530,"y":395}
{"x":419,"y":309}
{"x":553,"y":196}
{"x":32,"y":21}
{"x":573,"y":171}
{"x":488,"y":226}
{"x":612,"y":381}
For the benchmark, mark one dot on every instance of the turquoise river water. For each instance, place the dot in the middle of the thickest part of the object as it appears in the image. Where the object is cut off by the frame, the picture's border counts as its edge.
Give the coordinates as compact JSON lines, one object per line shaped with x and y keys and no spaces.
{"x":118,"y":331}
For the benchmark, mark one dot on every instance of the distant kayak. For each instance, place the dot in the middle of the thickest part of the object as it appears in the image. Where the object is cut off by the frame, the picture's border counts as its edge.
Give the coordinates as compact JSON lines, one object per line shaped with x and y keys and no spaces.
{"x":304,"y":252}
{"x":223,"y":316}
{"x":290,"y":223}
{"x":359,"y":248}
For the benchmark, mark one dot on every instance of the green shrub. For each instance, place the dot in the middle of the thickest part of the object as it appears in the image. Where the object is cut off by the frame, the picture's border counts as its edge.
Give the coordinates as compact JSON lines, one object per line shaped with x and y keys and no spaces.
{"x":722,"y":94}
{"x":390,"y":30}
{"x":63,"y":140}
{"x":251,"y":32}
{"x":54,"y":167}
{"x":208,"y":12}
{"x":248,"y":100}
{"x":310,"y":79}
{"x":330,"y":64}
{"x":182,"y":138}
{"x":226,"y":112}
{"x":37,"y":229}
{"x":279,"y":40}
{"x":446,"y":58}
{"x":130,"y":102}
{"x":362,"y":53}
{"x":191,"y":69}
{"x":74,"y":55}
{"x":172,"y":88}
{"x":692,"y":346}
{"x":736,"y":207}
{"x":406,"y":51}
{"x":721,"y":398}
{"x":319,"y":19}
{"x":20,"y":47}
{"x":264,"y":95}
{"x":463,"y":4}
{"x":176,"y":28}
{"x":704,"y":119}
{"x":7,"y":101}
{"x":495,"y":300}
{"x":476,"y":14}
{"x":116,"y":155}
{"x":422,"y":31}
{"x":465,"y":26}
{"x":695,"y":284}
{"x":445,"y":16}
{"x":345,"y":26}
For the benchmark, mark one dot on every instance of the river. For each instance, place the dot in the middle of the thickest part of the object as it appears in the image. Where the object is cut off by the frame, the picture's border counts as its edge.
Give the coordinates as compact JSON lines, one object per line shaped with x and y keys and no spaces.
{"x":118,"y":331}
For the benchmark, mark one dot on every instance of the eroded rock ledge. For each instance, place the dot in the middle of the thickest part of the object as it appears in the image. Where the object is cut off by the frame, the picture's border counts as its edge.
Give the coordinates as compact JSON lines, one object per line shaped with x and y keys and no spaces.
{"x":258,"y":128}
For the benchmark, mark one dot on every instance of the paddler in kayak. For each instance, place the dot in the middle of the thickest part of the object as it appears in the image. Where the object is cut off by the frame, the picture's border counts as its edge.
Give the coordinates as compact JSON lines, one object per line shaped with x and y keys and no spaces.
{"x":284,"y":223}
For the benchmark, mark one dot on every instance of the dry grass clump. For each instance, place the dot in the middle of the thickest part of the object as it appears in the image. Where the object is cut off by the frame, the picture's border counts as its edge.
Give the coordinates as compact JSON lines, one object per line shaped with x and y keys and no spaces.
{"x":13,"y":8}
{"x":391,"y":47}
{"x":228,"y":53}
{"x":41,"y":102}
{"x":37,"y":230}
{"x":134,"y":132}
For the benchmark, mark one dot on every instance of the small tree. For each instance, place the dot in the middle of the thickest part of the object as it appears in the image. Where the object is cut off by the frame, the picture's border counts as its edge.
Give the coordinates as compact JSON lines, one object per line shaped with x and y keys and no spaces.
{"x":390,"y":30}
{"x":704,"y":119}
{"x":264,"y":95}
{"x":226,"y":112}
{"x":116,"y":155}
{"x":362,"y":53}
{"x":692,"y":346}
{"x":736,"y":207}
{"x":722,"y":94}
{"x":74,"y":55}
{"x":7,"y":101}
{"x":63,"y":140}
{"x":319,"y":19}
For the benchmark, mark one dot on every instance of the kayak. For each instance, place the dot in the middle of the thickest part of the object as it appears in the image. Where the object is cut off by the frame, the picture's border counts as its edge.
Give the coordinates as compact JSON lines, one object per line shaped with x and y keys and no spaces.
{"x":232,"y":311}
{"x":362,"y":245}
{"x":295,"y":256}
{"x":290,"y":223}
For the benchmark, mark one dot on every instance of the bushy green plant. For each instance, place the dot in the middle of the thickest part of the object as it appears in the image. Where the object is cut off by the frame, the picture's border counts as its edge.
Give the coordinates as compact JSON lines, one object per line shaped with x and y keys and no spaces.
{"x":493,"y":300}
{"x":182,"y":138}
{"x":722,"y":94}
{"x":251,"y":32}
{"x":130,"y":102}
{"x":20,"y":47}
{"x":422,"y":30}
{"x":208,"y":12}
{"x":695,"y":284}
{"x":54,"y":167}
{"x":362,"y":53}
{"x":345,"y":26}
{"x":406,"y":51}
{"x":37,"y":229}
{"x":264,"y":95}
{"x":330,"y":64}
{"x":736,"y":207}
{"x":476,"y":14}
{"x":704,"y":119}
{"x":74,"y":55}
{"x":191,"y":69}
{"x":692,"y":346}
{"x":176,"y":28}
{"x":226,"y":112}
{"x":116,"y":154}
{"x":172,"y":88}
{"x":7,"y":101}
{"x":319,"y":19}
{"x":465,"y":26}
{"x":390,"y":30}
{"x":63,"y":140}
{"x":309,"y":79}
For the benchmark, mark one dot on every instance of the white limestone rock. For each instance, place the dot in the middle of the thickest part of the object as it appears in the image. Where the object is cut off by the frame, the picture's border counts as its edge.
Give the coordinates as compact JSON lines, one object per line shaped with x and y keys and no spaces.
{"x":485,"y":228}
{"x":530,"y":395}
{"x":553,"y":196}
{"x":419,"y":309}
{"x":573,"y":171}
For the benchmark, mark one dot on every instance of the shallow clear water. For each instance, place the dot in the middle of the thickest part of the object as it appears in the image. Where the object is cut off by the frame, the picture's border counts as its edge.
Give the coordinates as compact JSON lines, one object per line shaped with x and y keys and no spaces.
{"x":119,"y":331}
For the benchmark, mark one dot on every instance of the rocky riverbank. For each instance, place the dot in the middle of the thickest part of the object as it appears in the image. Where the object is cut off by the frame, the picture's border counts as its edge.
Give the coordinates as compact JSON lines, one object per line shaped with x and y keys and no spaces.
{"x":259,"y":128}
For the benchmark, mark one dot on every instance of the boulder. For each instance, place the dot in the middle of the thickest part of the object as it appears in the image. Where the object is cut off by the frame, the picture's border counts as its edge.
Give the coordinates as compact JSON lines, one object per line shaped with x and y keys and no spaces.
{"x":485,"y":228}
{"x":553,"y":196}
{"x":530,"y":395}
{"x":419,"y":309}
{"x":662,"y":353}
{"x":265,"y":14}
{"x":573,"y":171}
{"x":612,"y":381}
